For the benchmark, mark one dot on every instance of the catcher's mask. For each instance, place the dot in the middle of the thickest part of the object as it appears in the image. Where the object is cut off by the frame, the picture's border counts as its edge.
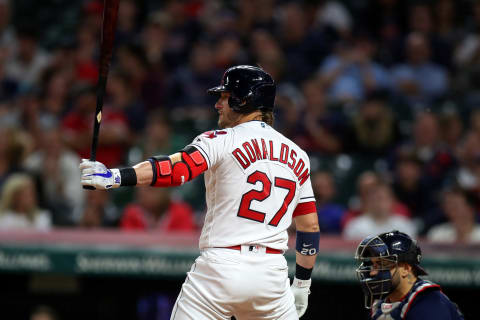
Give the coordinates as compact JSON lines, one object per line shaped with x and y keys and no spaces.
{"x":377,"y":256}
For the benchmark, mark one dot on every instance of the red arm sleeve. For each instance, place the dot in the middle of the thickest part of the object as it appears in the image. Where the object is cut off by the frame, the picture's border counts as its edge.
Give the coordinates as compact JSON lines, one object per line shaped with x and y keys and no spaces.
{"x":304,"y":208}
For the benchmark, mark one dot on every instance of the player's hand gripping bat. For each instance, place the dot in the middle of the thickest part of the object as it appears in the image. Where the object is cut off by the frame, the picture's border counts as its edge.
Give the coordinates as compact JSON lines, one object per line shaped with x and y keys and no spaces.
{"x":110,"y":13}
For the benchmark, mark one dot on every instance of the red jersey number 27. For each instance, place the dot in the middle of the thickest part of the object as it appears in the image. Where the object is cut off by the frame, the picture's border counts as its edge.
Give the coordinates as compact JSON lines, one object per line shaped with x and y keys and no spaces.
{"x":246,"y":212}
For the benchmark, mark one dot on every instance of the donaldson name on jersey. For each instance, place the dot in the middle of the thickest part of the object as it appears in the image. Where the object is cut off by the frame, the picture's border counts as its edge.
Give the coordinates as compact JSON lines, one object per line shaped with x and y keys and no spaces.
{"x":254,"y":150}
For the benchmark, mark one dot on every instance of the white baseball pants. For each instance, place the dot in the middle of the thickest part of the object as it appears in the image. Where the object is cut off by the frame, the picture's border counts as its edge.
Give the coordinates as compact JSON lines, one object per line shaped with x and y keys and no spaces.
{"x":246,"y":284}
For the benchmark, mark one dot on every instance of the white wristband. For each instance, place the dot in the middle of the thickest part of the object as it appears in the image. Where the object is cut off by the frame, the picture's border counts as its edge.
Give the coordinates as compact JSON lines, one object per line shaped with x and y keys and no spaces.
{"x":117,"y":179}
{"x":301,"y":283}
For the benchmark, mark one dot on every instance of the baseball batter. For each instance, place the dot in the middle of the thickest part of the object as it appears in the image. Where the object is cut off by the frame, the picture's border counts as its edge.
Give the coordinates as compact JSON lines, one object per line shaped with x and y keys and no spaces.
{"x":256,"y":181}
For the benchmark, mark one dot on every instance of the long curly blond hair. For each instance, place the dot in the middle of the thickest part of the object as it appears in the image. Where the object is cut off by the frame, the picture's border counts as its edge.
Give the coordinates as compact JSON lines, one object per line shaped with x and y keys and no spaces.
{"x":15,"y":183}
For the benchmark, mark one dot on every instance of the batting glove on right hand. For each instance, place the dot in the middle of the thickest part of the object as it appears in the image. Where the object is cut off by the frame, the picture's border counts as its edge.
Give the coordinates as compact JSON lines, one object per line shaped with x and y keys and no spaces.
{"x":96,"y":175}
{"x":301,"y":290}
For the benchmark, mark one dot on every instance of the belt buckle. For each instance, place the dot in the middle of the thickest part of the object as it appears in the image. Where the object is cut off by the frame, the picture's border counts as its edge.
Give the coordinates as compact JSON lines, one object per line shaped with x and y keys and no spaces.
{"x":252,"y":249}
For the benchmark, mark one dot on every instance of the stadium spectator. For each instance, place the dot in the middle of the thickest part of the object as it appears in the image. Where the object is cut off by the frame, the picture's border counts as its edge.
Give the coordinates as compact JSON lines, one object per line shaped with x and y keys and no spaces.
{"x":426,"y":145}
{"x":366,"y":182}
{"x":409,"y":187}
{"x":86,"y":72}
{"x":419,"y":81}
{"x":124,"y":103}
{"x":266,"y":52}
{"x":421,"y":20}
{"x":44,"y":313}
{"x":56,"y":85}
{"x":19,"y":208}
{"x":28,"y":61}
{"x":156,"y":210}
{"x":99,"y":211}
{"x":56,"y":168}
{"x":378,"y":216}
{"x":350,"y":73}
{"x":15,"y":145}
{"x":467,"y":175}
{"x":228,"y":51}
{"x":158,"y":138}
{"x":321,"y":129}
{"x":446,"y":28}
{"x":296,"y":41}
{"x":77,"y":128}
{"x":386,"y":21}
{"x":461,"y":226}
{"x":127,"y":22}
{"x":374,"y":129}
{"x":451,"y":128}
{"x":188,"y":84}
{"x":329,"y":213}
{"x":8,"y":40}
{"x":333,"y":14}
{"x":8,"y":86}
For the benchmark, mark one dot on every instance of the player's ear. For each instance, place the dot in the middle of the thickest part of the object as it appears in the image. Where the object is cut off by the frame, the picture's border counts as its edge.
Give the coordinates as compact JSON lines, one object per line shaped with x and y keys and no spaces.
{"x":404,"y":269}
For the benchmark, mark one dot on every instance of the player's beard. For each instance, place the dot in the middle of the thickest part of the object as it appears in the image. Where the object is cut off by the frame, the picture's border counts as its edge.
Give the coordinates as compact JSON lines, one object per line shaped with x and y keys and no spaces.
{"x":228,"y":118}
{"x":395,"y":280}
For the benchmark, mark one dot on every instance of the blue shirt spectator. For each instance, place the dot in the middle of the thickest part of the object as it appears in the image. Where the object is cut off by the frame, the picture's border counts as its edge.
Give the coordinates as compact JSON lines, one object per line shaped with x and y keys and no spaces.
{"x":329,"y":213}
{"x":351,"y":73}
{"x":419,"y":81}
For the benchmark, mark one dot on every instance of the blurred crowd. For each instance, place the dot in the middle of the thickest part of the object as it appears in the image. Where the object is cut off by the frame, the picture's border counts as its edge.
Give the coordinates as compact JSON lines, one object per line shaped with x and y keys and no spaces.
{"x":382,"y":94}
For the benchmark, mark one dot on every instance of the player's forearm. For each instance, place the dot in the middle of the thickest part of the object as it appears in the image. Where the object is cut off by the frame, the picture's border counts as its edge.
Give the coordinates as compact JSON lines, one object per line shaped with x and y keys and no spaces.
{"x":144,"y":173}
{"x":308,"y":235}
{"x":307,"y":262}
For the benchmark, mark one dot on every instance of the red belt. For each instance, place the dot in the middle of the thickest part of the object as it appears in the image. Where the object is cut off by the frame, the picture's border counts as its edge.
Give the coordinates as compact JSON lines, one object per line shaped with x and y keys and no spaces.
{"x":267,"y":249}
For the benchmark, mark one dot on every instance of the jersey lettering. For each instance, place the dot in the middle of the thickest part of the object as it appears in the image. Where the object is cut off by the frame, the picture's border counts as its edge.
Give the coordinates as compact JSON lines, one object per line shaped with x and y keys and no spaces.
{"x":272,"y":158}
{"x":246,"y":212}
{"x":264,"y":147}
{"x":293,"y":157}
{"x":241,"y":158}
{"x":283,"y":153}
{"x":258,"y":153}
{"x":250,"y":153}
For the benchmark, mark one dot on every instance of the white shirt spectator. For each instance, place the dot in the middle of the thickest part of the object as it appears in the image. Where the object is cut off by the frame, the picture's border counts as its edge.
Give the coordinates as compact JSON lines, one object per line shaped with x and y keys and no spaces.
{"x":446,"y":233}
{"x":27,"y":73}
{"x":334,"y":14}
{"x":14,"y":221}
{"x":365,"y":225}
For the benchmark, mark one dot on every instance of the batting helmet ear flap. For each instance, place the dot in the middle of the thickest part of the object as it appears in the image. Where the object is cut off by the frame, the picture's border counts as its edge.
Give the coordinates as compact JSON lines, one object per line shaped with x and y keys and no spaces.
{"x":242,"y":105}
{"x":263,"y":97}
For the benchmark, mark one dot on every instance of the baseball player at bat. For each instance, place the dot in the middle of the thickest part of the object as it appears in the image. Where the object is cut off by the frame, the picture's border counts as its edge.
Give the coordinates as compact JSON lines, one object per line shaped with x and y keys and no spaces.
{"x":389,"y":273}
{"x":256,"y":181}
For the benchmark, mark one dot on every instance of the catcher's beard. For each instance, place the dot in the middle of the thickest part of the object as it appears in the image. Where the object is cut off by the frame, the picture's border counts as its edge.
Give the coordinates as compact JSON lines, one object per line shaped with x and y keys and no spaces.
{"x":395,"y":281}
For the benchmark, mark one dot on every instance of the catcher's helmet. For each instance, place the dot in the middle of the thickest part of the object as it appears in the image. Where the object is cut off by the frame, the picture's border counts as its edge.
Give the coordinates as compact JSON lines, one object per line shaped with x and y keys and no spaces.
{"x":389,"y":249}
{"x":250,"y":88}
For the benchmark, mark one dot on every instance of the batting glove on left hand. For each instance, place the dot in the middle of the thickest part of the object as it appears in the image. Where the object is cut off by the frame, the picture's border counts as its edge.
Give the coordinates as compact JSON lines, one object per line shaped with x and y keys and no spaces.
{"x":301,"y":290}
{"x":96,"y":175}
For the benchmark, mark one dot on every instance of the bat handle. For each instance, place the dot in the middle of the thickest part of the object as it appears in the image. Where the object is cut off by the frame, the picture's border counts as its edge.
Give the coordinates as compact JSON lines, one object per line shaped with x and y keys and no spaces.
{"x":88,"y":188}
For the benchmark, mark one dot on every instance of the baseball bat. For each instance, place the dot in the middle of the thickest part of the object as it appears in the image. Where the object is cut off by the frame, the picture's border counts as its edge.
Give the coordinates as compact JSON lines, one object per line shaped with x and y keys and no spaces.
{"x":109,"y":23}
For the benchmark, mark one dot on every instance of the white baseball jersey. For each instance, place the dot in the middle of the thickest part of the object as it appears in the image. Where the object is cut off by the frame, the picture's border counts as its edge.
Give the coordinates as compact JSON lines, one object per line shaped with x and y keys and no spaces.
{"x":256,"y":177}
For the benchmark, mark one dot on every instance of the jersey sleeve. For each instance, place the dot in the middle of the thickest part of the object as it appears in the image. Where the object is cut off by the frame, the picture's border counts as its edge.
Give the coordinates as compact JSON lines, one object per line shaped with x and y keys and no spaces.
{"x":306,"y":191}
{"x":306,"y":199}
{"x":212,"y":145}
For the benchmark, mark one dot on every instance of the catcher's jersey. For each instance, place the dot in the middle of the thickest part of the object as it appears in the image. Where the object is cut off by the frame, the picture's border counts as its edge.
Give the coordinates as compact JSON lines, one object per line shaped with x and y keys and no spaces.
{"x":256,"y":177}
